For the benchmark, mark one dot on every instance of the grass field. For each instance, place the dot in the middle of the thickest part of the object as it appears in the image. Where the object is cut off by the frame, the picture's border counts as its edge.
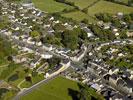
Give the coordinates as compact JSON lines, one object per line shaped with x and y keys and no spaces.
{"x":108,"y":7}
{"x":100,"y":7}
{"x":58,"y":89}
{"x":50,"y":5}
{"x":82,"y":3}
{"x":35,"y":80}
{"x":123,"y":1}
{"x":78,"y":16}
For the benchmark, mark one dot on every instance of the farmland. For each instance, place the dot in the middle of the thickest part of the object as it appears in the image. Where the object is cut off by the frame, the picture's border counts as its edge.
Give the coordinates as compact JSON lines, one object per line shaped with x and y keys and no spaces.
{"x":83,"y":3}
{"x":50,"y":5}
{"x":99,"y":7}
{"x":53,"y":90}
{"x":57,"y":89}
{"x":93,"y":6}
{"x":79,"y":16}
{"x":108,"y":7}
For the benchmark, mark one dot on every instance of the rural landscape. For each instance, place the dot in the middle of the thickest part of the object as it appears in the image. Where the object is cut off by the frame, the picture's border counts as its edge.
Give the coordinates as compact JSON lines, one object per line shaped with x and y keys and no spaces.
{"x":66,"y":49}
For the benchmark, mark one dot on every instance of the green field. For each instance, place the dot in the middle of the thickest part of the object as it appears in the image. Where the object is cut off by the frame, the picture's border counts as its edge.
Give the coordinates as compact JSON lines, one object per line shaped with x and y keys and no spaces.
{"x":82,"y":3}
{"x":57,"y":89}
{"x":79,"y":16}
{"x":50,"y":5}
{"x":35,"y":80}
{"x":99,"y":7}
{"x":123,"y":1}
{"x":108,"y":7}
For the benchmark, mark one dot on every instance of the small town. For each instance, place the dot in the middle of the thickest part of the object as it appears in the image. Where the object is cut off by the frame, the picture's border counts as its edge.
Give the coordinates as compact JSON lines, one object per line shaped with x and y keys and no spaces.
{"x":39,"y":50}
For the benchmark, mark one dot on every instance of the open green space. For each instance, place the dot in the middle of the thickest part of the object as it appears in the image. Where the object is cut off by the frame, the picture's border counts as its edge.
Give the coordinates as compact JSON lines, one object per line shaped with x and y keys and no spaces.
{"x":108,"y":7}
{"x":82,"y":3}
{"x":122,"y":2}
{"x":50,"y":6}
{"x":94,"y":7}
{"x":57,"y":89}
{"x":79,"y":16}
{"x":99,"y":7}
{"x":5,"y":51}
{"x":19,"y":74}
{"x":35,"y":80}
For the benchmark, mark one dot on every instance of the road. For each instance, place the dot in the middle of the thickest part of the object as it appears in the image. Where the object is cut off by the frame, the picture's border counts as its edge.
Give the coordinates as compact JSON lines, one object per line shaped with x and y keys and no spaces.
{"x":28,"y":90}
{"x":34,"y":48}
{"x":52,"y":76}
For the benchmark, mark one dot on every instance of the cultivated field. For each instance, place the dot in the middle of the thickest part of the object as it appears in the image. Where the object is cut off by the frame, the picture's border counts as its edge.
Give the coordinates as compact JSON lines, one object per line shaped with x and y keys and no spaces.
{"x":99,"y":7}
{"x":50,"y":5}
{"x":93,"y":8}
{"x":79,"y":16}
{"x":83,"y":3}
{"x":108,"y":7}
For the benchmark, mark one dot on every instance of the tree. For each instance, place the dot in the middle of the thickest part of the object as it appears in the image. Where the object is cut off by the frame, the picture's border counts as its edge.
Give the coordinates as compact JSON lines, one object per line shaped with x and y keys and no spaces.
{"x":26,"y":70}
{"x":116,"y":22}
{"x":59,"y":27}
{"x":70,"y":39}
{"x":85,"y":21}
{"x":83,"y":35}
{"x":131,"y":15}
{"x":109,"y":34}
{"x":123,"y":34}
{"x":130,"y":2}
{"x":104,"y":17}
{"x":53,"y":61}
{"x":28,"y":78}
{"x":85,"y":10}
{"x":131,"y":26}
{"x":34,"y":34}
{"x":127,"y":18}
{"x":9,"y":58}
{"x":51,"y":39}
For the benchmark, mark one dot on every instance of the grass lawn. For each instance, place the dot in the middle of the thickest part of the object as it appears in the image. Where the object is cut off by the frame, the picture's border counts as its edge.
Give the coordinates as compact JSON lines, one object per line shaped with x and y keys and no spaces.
{"x":78,"y":16}
{"x":1,"y":69}
{"x":124,"y":1}
{"x":108,"y":7}
{"x":57,"y":89}
{"x":50,"y":5}
{"x":35,"y":80}
{"x":82,"y":3}
{"x":100,"y":7}
{"x":3,"y":62}
{"x":16,"y":82}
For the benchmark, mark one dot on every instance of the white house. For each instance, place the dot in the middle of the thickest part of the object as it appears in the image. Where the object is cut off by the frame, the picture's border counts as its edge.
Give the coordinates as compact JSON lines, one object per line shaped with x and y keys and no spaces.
{"x":46,"y":56}
{"x":48,"y":47}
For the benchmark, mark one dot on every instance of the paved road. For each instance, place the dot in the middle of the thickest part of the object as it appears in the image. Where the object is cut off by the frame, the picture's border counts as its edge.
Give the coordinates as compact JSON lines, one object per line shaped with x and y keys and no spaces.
{"x":33,"y":47}
{"x":28,"y":90}
{"x":52,"y":76}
